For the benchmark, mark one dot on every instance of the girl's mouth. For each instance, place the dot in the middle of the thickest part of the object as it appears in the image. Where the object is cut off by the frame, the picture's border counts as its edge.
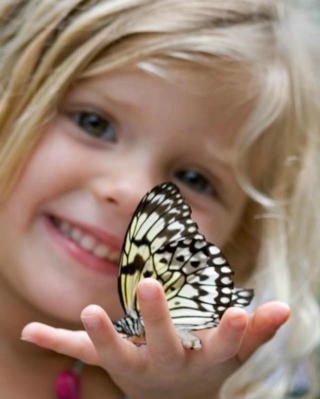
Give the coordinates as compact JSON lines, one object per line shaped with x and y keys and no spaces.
{"x":85,"y":240}
{"x":85,"y":247}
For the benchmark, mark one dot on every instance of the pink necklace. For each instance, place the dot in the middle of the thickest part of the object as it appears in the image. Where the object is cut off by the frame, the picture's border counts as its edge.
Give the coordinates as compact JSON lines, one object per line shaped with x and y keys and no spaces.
{"x":68,"y":382}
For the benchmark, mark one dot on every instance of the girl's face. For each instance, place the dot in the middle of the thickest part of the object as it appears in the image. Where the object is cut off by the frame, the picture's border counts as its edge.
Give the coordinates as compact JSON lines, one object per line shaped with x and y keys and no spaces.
{"x":112,"y":139}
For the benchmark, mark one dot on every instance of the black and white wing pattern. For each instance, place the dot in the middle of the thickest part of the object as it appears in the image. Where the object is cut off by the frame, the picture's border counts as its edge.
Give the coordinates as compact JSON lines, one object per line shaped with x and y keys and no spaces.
{"x":163,"y":242}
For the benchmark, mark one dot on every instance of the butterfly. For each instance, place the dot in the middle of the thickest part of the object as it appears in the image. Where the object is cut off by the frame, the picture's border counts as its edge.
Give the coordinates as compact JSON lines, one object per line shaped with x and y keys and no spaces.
{"x":164,"y":243}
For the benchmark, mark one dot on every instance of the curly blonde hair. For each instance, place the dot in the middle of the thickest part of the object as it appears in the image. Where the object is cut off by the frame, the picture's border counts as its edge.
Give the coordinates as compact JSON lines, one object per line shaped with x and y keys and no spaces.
{"x":46,"y":45}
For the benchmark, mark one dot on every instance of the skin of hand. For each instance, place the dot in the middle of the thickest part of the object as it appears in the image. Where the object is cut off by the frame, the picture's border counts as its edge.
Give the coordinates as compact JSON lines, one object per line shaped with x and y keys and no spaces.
{"x":163,"y":367}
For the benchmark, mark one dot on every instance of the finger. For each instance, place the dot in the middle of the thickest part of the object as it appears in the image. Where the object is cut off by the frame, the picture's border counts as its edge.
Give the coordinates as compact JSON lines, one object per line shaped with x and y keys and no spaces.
{"x":226,"y":339}
{"x":75,"y":344}
{"x":263,"y":325}
{"x":163,"y":343}
{"x":116,"y":353}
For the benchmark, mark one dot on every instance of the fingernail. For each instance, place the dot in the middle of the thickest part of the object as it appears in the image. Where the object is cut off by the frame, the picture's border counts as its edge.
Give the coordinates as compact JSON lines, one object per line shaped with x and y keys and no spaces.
{"x":91,"y":322}
{"x":148,"y":291}
{"x":26,"y":338}
{"x":283,"y":312}
{"x":238,"y":322}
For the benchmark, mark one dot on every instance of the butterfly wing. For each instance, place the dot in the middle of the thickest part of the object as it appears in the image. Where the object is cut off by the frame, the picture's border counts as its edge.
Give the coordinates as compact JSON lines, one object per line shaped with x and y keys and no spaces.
{"x":161,"y":217}
{"x":163,"y":242}
{"x":197,"y":282}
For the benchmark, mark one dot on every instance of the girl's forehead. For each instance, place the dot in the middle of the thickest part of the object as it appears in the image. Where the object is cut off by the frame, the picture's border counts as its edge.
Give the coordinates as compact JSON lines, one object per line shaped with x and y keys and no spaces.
{"x":222,"y":72}
{"x":232,"y":84}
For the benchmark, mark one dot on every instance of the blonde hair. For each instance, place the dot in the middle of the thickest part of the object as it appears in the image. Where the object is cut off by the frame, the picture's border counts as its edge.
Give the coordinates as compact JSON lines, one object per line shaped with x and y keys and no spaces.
{"x":45,"y":45}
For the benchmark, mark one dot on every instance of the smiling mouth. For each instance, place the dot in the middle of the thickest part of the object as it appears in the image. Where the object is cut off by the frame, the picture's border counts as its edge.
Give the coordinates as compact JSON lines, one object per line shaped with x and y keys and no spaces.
{"x":85,"y":240}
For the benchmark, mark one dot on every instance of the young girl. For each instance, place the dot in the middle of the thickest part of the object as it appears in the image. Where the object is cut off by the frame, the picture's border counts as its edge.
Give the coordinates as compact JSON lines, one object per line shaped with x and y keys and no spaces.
{"x":100,"y":101}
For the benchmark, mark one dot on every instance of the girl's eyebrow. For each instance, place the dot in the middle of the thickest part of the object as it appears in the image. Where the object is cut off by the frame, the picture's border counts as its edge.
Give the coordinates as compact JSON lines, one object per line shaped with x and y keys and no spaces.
{"x":222,"y":157}
{"x":109,"y":97}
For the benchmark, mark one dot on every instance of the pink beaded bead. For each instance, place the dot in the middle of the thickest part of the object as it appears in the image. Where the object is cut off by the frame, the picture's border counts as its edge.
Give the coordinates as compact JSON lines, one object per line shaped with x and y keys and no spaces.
{"x":68,"y":385}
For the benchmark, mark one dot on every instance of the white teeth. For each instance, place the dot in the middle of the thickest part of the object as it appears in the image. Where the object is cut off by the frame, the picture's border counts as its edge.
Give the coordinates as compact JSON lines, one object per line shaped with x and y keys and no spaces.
{"x":86,"y":241}
{"x":65,"y":227}
{"x":76,"y":234}
{"x":101,"y":251}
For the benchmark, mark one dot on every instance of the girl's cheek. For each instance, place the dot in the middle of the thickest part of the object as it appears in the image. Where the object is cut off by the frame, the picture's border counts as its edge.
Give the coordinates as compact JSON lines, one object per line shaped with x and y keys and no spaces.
{"x":218,"y":225}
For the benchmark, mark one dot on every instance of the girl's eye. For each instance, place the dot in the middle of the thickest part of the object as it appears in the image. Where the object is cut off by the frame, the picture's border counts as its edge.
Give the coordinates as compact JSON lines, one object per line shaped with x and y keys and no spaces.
{"x":94,"y":125}
{"x":196,"y":181}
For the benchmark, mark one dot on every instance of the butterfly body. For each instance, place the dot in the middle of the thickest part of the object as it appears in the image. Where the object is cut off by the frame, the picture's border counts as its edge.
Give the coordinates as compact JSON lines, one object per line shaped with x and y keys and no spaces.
{"x":163,"y":242}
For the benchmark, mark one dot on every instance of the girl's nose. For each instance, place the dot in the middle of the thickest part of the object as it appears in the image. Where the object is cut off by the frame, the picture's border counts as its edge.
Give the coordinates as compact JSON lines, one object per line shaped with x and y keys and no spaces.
{"x":124,"y":193}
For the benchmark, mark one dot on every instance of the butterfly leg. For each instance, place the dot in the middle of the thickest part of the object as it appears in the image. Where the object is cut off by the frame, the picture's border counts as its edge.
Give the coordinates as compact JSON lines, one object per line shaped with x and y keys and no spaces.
{"x":188,"y":340}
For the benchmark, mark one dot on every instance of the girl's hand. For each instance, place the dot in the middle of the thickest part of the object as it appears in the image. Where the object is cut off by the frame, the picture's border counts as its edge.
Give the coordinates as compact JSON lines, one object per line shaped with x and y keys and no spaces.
{"x":163,"y":367}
